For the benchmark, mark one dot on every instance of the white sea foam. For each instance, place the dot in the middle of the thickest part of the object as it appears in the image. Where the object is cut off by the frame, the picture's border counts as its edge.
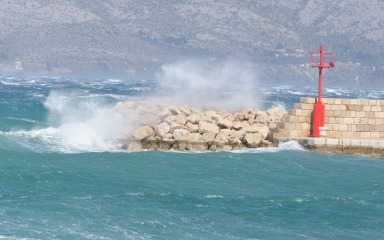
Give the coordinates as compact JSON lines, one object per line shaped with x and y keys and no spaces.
{"x":286,"y":146}
{"x":213,"y":196}
{"x":22,"y":119}
{"x":10,"y":83}
{"x":112,"y":80}
{"x":337,"y":92}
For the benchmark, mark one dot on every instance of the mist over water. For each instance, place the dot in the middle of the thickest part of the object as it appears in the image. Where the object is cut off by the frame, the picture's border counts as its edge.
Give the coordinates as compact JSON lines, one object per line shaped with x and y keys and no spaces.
{"x":204,"y":83}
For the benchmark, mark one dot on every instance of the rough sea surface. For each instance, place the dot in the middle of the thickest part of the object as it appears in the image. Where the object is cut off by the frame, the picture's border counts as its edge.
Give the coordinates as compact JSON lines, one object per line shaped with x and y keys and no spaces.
{"x":63,"y":176}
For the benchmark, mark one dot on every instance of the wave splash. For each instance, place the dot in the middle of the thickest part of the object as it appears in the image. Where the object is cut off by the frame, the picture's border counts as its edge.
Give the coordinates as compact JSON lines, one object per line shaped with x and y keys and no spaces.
{"x":285,"y":146}
{"x":76,"y":124}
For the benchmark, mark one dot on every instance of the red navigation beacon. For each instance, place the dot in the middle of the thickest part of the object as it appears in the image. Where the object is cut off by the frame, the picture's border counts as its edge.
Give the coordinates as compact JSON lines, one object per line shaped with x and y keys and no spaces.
{"x":318,"y":113}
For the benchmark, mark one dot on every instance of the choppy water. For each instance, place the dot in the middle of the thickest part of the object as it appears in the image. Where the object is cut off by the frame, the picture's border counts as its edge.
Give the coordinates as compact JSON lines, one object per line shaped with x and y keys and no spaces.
{"x":62,"y":176}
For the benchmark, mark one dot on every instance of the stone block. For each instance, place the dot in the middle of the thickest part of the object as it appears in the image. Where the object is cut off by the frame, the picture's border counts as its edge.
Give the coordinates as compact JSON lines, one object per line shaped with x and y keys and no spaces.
{"x":347,"y":134}
{"x":298,"y":126}
{"x":345,"y":114}
{"x":282,"y":125}
{"x":353,"y":114}
{"x":364,"y":102}
{"x":327,"y":107}
{"x":307,"y":113}
{"x":318,"y":142}
{"x":343,"y":127}
{"x":379,"y":114}
{"x":295,"y":112}
{"x":376,"y":108}
{"x":374,"y":143}
{"x":303,"y":133}
{"x":336,"y":134}
{"x":375,"y":135}
{"x":355,"y":143}
{"x":331,"y":142}
{"x":328,"y":113}
{"x":342,"y":108}
{"x":359,"y":102}
{"x":346,"y":142}
{"x":365,"y":135}
{"x":371,"y":121}
{"x":345,"y":101}
{"x":379,"y":121}
{"x":363,"y":121}
{"x":366,"y":108}
{"x":348,"y":121}
{"x":372,"y":102}
{"x":305,"y":126}
{"x":381,"y":143}
{"x":364,"y":143}
{"x":354,"y":101}
{"x":337,"y":101}
{"x":353,"y":127}
{"x":292,"y":125}
{"x":337,"y":113}
{"x":360,"y":128}
{"x":307,"y":100}
{"x":349,"y":128}
{"x":330,"y":101}
{"x":357,"y":135}
{"x":335,"y":127}
{"x":331,"y":120}
{"x":360,"y":114}
{"x":335,"y":107}
{"x":302,"y":119}
{"x":293,"y":133}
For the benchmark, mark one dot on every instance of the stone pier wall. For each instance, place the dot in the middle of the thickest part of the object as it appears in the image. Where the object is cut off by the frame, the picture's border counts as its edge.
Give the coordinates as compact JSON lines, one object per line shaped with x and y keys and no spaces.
{"x":345,"y":119}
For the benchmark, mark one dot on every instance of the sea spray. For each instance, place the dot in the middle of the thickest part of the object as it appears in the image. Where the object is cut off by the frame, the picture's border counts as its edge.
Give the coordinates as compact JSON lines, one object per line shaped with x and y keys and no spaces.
{"x":204,"y":83}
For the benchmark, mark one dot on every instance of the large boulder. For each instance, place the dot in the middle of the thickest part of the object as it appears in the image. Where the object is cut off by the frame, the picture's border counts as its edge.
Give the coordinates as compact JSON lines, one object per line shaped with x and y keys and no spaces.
{"x":181,"y":135}
{"x":224,"y":123}
{"x":208,"y":137}
{"x":193,"y":128}
{"x":174,"y":109}
{"x":143,"y":132}
{"x":263,"y":119}
{"x":176,"y":125}
{"x":221,"y":139}
{"x":185,"y":109}
{"x":205,"y":127}
{"x":193,"y":118}
{"x":164,"y":113}
{"x":134,"y":147}
{"x":276,"y":112}
{"x":252,"y":140}
{"x":162,"y":129}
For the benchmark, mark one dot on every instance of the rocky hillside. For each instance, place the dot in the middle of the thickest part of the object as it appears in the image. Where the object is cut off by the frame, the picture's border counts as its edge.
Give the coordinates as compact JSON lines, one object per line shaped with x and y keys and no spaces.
{"x":127,"y":37}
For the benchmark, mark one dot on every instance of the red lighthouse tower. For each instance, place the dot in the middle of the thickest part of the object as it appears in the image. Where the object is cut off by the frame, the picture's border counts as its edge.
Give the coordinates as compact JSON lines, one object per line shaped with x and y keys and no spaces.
{"x":318,"y":113}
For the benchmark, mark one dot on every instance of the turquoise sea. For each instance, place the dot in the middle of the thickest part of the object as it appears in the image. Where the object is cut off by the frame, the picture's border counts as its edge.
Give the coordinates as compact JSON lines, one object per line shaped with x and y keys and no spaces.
{"x":62,"y":175}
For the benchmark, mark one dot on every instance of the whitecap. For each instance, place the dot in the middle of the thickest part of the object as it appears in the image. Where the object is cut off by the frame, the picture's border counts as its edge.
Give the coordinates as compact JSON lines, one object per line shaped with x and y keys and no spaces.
{"x":9,"y":83}
{"x":285,"y":146}
{"x":22,"y":119}
{"x":213,"y":196}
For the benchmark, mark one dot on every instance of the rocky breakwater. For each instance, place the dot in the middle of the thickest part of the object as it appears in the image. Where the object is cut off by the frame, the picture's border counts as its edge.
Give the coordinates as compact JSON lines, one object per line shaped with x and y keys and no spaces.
{"x":181,"y":128}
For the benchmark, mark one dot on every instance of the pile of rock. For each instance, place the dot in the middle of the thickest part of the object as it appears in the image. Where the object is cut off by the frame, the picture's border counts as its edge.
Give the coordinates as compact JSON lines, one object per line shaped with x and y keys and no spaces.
{"x":181,"y":128}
